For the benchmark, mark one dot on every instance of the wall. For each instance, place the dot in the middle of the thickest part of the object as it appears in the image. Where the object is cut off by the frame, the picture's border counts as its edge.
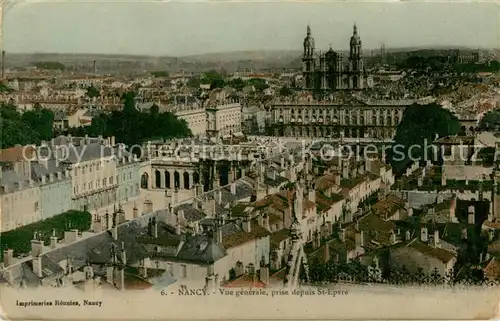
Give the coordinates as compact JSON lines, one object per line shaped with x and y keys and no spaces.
{"x":128,"y":180}
{"x":20,"y":208}
{"x":55,"y":198}
{"x":412,"y":259}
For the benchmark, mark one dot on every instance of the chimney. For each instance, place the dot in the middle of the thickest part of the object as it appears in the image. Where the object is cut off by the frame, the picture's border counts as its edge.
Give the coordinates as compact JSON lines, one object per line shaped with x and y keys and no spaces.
{"x":326,"y":252}
{"x":112,"y":141}
{"x":8,"y":257}
{"x":218,"y":236}
{"x":264,"y":274}
{"x":3,"y":64}
{"x":94,"y":68}
{"x":393,"y":238}
{"x":199,"y":189}
{"x":312,"y":195}
{"x":424,"y":237}
{"x":247,"y":225}
{"x":471,"y":218}
{"x":439,"y":199}
{"x":233,"y":188}
{"x":70,"y":236}
{"x":178,"y":228}
{"x":219,"y":196}
{"x":282,"y":160}
{"x":37,"y":266}
{"x":154,"y":227}
{"x":359,"y":238}
{"x":135,"y":211}
{"x":435,"y":240}
{"x":337,"y":180}
{"x":180,"y":215}
{"x":114,"y":232}
{"x":53,"y":240}
{"x":124,"y":254}
{"x":464,"y":233}
{"x":143,"y":270}
{"x":266,"y":222}
{"x":110,"y":271}
{"x":89,"y":272}
{"x":342,"y":233}
{"x":407,"y":235}
{"x":36,"y":247}
{"x":239,"y":269}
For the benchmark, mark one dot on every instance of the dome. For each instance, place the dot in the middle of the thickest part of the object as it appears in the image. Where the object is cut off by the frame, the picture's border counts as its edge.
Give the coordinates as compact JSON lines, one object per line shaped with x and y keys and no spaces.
{"x":355,"y":37}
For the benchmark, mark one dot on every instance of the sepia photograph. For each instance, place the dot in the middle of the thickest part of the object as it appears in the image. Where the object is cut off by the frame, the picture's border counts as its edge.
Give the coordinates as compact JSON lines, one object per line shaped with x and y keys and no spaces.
{"x":249,"y":160}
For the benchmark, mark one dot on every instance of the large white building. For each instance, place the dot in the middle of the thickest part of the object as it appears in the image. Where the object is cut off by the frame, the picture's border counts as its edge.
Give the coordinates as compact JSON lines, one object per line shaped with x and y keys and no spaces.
{"x":19,"y":200}
{"x":224,"y":119}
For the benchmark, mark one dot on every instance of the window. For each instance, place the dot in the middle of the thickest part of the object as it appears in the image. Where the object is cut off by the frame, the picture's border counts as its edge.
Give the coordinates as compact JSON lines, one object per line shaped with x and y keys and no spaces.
{"x":90,"y":169}
{"x":183,"y":271}
{"x":111,"y":180}
{"x":103,"y":182}
{"x":36,"y":206}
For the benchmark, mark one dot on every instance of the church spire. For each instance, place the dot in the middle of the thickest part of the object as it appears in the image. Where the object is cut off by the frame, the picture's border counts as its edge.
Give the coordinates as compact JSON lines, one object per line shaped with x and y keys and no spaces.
{"x":354,"y":29}
{"x":308,"y":30}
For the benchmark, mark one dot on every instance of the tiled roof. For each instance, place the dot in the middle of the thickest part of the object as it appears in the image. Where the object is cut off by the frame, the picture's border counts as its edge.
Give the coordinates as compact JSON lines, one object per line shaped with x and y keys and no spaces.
{"x":438,"y":253}
{"x":492,"y":270}
{"x":279,"y":236}
{"x":242,"y":237}
{"x":18,"y":153}
{"x":388,"y":206}
{"x":245,"y":281}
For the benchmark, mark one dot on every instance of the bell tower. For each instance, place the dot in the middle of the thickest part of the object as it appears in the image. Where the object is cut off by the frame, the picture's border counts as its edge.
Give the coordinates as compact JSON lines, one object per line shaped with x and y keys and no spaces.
{"x":308,"y":60}
{"x":356,"y":69}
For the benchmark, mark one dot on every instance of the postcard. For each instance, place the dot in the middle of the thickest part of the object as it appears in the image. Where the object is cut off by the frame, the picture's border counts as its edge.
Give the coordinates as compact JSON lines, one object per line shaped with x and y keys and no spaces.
{"x":250,"y":160}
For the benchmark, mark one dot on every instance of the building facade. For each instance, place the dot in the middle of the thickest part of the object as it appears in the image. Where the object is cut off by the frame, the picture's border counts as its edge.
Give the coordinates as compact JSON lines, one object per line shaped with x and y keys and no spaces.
{"x":224,"y":119}
{"x":19,"y":201}
{"x":55,"y":187}
{"x":346,"y":117}
{"x":128,"y":178}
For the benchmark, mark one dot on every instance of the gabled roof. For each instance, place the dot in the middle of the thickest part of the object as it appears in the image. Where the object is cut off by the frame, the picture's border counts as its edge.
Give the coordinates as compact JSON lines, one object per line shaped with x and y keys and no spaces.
{"x":438,"y":253}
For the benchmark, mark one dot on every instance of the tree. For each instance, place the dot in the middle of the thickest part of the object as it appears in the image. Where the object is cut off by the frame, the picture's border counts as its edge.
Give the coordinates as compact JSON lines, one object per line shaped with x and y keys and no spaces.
{"x":158,"y":74}
{"x":194,"y":82}
{"x":19,"y":239}
{"x":217,"y":83}
{"x":29,"y":128}
{"x":285,"y":91}
{"x":237,"y":84}
{"x":419,"y":126}
{"x":92,"y":92}
{"x":154,"y":109}
{"x":130,"y":126}
{"x":491,"y":120}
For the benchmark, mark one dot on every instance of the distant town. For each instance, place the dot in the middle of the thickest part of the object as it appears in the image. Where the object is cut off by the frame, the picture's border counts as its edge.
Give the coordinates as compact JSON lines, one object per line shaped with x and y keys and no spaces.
{"x":251,"y":170}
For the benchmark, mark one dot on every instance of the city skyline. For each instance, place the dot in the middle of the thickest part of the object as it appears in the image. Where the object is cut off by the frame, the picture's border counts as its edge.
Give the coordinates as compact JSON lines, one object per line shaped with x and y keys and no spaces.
{"x":183,"y":29}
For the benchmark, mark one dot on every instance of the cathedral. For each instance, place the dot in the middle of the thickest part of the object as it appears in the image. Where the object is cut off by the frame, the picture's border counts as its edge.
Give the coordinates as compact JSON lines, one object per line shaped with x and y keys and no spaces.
{"x":326,"y":71}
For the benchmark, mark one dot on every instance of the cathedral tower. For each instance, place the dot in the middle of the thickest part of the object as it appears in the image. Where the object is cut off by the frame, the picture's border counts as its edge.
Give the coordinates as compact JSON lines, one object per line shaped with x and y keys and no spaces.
{"x":308,"y":60}
{"x":355,"y":61}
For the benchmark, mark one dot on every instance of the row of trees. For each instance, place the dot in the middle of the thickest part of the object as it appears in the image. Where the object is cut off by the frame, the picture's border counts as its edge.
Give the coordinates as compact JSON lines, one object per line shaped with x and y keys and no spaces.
{"x":130,"y":126}
{"x":30,"y":127}
{"x":217,"y":80}
{"x":19,"y":239}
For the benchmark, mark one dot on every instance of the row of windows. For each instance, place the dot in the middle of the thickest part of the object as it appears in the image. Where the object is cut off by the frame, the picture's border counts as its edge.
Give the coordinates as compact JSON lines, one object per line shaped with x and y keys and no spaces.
{"x":90,"y":185}
{"x":83,"y":169}
{"x":21,"y":195}
{"x":318,"y":113}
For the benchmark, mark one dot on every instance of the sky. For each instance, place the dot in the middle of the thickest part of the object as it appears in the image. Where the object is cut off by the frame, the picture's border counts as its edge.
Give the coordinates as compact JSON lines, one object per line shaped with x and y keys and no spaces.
{"x":189,"y":28}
